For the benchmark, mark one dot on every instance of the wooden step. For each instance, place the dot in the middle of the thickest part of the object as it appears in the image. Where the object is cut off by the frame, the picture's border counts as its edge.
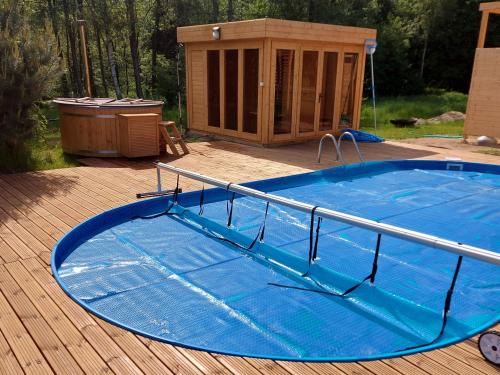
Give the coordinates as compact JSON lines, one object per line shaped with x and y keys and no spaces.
{"x":172,"y":141}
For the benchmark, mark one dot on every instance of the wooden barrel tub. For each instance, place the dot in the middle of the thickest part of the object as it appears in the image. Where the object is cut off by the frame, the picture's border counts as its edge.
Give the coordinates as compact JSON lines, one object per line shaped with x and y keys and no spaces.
{"x":90,"y":126}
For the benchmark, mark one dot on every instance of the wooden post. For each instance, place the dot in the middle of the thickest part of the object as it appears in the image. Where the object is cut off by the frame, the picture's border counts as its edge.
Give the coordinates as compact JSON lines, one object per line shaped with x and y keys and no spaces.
{"x":81,"y":25}
{"x":484,"y":27}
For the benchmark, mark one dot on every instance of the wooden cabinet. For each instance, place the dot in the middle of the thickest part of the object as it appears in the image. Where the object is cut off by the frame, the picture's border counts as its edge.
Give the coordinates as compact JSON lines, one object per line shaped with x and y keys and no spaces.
{"x":138,"y":134}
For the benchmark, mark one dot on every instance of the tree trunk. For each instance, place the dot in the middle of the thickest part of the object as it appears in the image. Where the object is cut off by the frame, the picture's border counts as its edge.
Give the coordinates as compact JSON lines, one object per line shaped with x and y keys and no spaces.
{"x":215,"y":10}
{"x":134,"y":45}
{"x":74,"y":63}
{"x":109,"y":47}
{"x":101,"y":63}
{"x":154,"y":49}
{"x":230,"y":10}
{"x":424,"y":53}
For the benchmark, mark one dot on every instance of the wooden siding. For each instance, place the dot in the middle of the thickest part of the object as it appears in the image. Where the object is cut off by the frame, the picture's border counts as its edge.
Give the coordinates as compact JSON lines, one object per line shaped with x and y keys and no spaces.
{"x":94,"y":131}
{"x":483,"y":107}
{"x":198,"y":91}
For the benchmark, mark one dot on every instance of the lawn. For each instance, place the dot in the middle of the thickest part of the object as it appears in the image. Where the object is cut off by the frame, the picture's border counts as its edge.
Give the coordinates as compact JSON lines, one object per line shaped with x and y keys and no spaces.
{"x":46,"y":151}
{"x":422,"y":106}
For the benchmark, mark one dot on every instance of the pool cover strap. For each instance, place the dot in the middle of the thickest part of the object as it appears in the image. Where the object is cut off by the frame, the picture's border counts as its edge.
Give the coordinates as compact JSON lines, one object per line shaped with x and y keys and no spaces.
{"x":229,"y":206}
{"x":202,"y":200}
{"x":446,"y":309}
{"x":258,"y":237}
{"x":171,"y":203}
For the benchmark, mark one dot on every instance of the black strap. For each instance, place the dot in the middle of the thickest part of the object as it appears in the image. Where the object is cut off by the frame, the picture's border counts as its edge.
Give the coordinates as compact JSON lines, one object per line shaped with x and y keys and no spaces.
{"x":229,"y":206}
{"x":263,"y":226}
{"x":446,"y":308}
{"x":202,"y":200}
{"x":176,"y":191}
{"x":313,"y":251}
{"x":311,"y":236}
{"x":259,"y":236}
{"x":171,"y":204}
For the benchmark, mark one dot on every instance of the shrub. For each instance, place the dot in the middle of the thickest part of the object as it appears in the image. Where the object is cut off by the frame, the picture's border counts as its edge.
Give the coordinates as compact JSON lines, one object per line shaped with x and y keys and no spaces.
{"x":29,"y":67}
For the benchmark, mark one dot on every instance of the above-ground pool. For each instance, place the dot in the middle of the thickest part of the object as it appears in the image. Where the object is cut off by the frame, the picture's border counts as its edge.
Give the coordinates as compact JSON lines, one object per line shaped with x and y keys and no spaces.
{"x":253,"y":289}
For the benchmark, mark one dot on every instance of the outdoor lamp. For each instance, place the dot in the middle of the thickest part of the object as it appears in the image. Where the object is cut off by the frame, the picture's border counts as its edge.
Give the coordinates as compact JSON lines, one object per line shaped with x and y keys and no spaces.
{"x":216,"y":32}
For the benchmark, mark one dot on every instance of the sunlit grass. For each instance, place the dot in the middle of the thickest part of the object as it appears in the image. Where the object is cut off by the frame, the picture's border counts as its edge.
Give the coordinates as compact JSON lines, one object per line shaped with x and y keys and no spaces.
{"x":422,"y":106}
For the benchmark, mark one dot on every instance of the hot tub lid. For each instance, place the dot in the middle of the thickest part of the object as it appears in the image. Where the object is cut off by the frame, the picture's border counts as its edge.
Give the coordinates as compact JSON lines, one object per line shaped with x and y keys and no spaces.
{"x":107,"y":102}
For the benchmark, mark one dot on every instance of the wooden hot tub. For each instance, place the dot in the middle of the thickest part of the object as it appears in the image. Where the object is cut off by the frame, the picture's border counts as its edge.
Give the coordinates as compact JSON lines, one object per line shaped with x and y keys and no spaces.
{"x":91,"y":126}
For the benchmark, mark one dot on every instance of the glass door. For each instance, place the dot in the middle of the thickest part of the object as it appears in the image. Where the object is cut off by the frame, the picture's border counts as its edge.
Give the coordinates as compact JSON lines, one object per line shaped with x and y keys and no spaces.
{"x":327,"y":95}
{"x":283,"y":91}
{"x":308,"y":92}
{"x":317,"y":92}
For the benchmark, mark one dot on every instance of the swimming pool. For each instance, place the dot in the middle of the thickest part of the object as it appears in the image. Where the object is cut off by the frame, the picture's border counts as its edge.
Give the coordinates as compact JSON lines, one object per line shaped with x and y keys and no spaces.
{"x":253,"y":289}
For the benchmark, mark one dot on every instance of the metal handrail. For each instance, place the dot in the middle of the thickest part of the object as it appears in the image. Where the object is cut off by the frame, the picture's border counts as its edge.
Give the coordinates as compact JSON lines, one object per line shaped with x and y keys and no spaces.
{"x":381,"y":228}
{"x":337,"y":149}
{"x":353,"y":141}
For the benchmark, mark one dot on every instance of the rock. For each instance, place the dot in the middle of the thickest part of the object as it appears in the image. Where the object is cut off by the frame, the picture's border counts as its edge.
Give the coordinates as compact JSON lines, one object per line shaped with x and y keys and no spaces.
{"x":484,"y":140}
{"x":446,"y":117}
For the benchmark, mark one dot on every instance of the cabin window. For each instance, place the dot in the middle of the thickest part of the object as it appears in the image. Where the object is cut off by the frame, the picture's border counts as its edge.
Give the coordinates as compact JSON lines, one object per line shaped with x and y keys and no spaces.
{"x":327,"y":94}
{"x":283,"y":91}
{"x":348,"y":89}
{"x":308,"y":91}
{"x":250,"y":89}
{"x":231,"y":89}
{"x":213,"y":88}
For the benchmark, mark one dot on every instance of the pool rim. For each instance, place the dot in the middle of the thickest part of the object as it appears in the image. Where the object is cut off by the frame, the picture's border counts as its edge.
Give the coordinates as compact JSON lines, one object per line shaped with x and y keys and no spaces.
{"x":407,"y":164}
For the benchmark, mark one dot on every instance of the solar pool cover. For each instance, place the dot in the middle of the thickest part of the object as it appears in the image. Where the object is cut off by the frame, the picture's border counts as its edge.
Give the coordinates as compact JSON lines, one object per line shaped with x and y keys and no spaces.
{"x":252,"y":289}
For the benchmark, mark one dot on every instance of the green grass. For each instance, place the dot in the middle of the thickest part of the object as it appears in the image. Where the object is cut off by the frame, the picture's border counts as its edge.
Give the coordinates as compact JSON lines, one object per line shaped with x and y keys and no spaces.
{"x":489,"y":151}
{"x":45,"y":150}
{"x":422,"y":106}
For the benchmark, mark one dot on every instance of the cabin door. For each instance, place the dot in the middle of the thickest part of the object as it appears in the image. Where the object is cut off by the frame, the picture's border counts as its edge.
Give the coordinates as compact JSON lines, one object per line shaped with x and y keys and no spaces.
{"x":234,"y":91}
{"x":317,"y":110}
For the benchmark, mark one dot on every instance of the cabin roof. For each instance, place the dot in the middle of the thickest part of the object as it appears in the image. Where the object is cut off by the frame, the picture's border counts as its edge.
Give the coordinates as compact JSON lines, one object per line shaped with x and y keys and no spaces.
{"x":492,"y":7}
{"x":277,"y":29}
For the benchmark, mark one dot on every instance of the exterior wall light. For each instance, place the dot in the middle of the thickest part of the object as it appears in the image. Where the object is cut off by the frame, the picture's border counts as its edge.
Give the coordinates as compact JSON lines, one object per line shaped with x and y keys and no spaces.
{"x":216,"y":32}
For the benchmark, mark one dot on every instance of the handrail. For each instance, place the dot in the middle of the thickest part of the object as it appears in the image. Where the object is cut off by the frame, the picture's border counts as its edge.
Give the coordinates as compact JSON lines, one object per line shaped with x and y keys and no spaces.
{"x":353,"y":141}
{"x":381,"y":228}
{"x":337,"y":149}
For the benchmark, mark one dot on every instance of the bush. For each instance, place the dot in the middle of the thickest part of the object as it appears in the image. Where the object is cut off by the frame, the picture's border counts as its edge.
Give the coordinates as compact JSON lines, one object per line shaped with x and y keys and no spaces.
{"x":29,"y":67}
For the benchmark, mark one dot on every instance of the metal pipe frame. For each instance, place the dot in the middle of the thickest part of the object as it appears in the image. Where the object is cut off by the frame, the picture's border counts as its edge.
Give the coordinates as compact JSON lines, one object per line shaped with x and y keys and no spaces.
{"x":353,"y":141}
{"x":337,"y":150}
{"x":380,"y":228}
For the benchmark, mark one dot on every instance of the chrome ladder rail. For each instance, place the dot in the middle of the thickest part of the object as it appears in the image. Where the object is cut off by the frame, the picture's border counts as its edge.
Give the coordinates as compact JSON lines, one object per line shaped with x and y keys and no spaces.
{"x":353,"y":141}
{"x":337,"y":149}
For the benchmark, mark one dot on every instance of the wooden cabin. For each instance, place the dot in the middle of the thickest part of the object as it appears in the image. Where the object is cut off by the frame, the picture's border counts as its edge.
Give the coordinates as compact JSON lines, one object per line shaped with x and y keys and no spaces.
{"x":483,"y":106}
{"x":272,"y":81}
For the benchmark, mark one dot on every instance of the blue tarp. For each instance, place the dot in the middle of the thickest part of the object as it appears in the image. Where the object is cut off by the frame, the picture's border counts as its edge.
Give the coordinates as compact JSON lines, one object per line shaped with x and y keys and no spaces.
{"x":168,"y":278}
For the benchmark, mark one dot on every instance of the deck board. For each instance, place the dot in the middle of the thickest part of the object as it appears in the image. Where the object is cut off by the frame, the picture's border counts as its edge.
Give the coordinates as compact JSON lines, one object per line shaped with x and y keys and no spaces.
{"x":43,"y":331}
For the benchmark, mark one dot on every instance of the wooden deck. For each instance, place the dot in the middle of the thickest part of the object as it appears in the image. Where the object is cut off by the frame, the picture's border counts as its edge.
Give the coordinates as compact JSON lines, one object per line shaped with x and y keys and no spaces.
{"x":44,"y":331}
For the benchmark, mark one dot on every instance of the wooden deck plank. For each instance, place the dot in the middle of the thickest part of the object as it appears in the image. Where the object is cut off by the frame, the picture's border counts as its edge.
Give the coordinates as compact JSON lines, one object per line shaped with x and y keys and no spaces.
{"x":47,"y":341}
{"x":27,"y":353}
{"x":8,"y":361}
{"x":108,"y":350}
{"x":172,"y":358}
{"x":132,"y":346}
{"x":37,"y":208}
{"x":55,"y":227}
{"x":72,"y":339}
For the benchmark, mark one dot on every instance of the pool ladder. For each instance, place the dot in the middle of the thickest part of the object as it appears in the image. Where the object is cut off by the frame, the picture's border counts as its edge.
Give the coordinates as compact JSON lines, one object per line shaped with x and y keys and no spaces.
{"x":338,"y":145}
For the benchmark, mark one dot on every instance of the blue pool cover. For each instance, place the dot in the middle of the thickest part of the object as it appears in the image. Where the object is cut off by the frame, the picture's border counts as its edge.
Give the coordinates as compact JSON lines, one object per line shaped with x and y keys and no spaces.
{"x":180,"y":278}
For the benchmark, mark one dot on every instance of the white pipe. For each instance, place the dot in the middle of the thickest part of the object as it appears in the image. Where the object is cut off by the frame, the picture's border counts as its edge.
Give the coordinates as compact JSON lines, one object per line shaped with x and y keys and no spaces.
{"x":391,"y":230}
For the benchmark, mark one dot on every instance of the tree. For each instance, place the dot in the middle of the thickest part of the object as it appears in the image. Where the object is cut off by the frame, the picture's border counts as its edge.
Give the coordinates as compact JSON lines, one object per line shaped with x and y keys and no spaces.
{"x":29,"y":68}
{"x":134,"y":45}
